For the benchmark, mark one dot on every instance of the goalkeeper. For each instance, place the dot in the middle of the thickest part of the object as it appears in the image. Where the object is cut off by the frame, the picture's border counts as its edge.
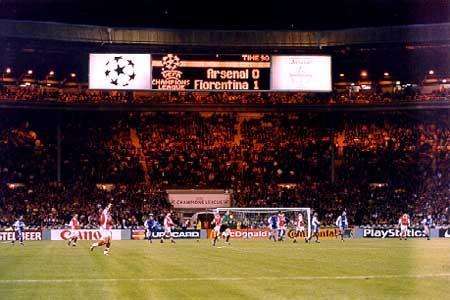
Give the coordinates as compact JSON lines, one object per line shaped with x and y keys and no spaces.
{"x":225,"y":226}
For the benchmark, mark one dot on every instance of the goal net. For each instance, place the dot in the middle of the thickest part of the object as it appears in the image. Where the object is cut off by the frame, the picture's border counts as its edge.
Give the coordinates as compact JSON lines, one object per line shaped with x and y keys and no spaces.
{"x":250,"y":219}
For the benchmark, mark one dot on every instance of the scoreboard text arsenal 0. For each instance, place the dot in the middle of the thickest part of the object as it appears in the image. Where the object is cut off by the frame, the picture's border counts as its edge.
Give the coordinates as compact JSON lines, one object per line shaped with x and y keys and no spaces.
{"x":211,"y":72}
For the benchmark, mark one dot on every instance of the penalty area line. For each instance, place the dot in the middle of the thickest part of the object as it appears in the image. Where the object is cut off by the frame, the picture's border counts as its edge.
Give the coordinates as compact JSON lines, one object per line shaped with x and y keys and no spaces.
{"x":176,"y":279}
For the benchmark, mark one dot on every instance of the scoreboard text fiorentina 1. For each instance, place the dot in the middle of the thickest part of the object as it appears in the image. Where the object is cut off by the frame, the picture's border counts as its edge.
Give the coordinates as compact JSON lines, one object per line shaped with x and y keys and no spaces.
{"x":178,"y":72}
{"x":210,"y":72}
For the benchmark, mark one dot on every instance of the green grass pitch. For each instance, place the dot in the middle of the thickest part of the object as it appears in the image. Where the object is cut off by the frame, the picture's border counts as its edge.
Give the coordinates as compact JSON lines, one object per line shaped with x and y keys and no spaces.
{"x":356,"y":269}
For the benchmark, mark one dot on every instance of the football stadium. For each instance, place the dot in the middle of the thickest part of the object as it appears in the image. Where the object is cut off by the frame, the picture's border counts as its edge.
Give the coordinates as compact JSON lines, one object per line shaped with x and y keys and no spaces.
{"x":227,"y":150}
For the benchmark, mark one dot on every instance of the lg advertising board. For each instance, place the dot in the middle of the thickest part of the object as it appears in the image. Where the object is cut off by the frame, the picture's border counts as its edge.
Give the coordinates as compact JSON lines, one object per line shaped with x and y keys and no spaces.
{"x":195,"y":72}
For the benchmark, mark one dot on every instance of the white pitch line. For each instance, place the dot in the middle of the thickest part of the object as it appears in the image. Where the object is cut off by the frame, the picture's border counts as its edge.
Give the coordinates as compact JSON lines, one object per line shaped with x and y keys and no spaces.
{"x":175,"y":279}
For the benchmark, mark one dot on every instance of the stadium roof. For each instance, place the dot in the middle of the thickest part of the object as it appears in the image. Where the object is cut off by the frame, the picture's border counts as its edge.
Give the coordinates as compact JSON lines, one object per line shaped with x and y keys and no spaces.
{"x":405,"y":34}
{"x":231,"y":14}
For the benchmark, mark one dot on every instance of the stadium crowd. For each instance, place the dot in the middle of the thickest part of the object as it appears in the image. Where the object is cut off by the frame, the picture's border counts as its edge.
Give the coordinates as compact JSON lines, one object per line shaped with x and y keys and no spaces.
{"x":82,"y":95}
{"x":375,"y":165}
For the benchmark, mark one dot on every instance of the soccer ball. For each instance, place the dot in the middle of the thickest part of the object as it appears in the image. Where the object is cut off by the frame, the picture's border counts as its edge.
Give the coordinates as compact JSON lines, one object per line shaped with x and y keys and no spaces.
{"x":119,"y":71}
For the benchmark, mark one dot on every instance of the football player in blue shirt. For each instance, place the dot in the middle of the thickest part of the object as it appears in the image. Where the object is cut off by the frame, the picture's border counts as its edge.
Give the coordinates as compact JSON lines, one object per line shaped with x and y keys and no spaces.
{"x":342,"y":224}
{"x":150,"y":226}
{"x":427,"y":223}
{"x":273,"y":227}
{"x":315,"y":225}
{"x":19,"y":228}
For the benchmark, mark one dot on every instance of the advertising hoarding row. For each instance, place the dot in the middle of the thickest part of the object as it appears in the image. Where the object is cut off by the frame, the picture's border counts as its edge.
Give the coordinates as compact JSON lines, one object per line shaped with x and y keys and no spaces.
{"x":178,"y":72}
{"x":262,"y":233}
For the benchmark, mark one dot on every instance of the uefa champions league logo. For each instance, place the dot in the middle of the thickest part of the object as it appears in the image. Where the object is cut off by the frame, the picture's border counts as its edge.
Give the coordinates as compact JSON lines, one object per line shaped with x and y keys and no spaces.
{"x":120,"y":71}
{"x":171,"y":62}
{"x":171,"y":75}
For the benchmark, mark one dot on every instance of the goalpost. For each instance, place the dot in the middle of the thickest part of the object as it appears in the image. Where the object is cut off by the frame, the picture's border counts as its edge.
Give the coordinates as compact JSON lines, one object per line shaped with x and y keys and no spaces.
{"x":257,"y":218}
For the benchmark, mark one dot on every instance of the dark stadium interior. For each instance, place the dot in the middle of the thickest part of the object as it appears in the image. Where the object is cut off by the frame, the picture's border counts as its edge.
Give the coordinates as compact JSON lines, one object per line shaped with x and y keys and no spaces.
{"x":379,"y":139}
{"x":289,"y":15}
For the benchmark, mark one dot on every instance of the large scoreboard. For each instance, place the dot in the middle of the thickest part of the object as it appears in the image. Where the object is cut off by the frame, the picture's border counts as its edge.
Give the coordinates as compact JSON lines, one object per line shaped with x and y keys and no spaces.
{"x":177,"y":72}
{"x":211,"y":72}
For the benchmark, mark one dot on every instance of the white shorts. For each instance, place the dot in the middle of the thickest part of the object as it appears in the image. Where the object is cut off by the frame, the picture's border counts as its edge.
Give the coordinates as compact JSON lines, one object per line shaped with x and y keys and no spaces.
{"x":73,"y":233}
{"x":217,"y":229}
{"x":227,"y":232}
{"x":301,"y":228}
{"x":403,"y":228}
{"x":106,"y":234}
{"x":167,"y":230}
